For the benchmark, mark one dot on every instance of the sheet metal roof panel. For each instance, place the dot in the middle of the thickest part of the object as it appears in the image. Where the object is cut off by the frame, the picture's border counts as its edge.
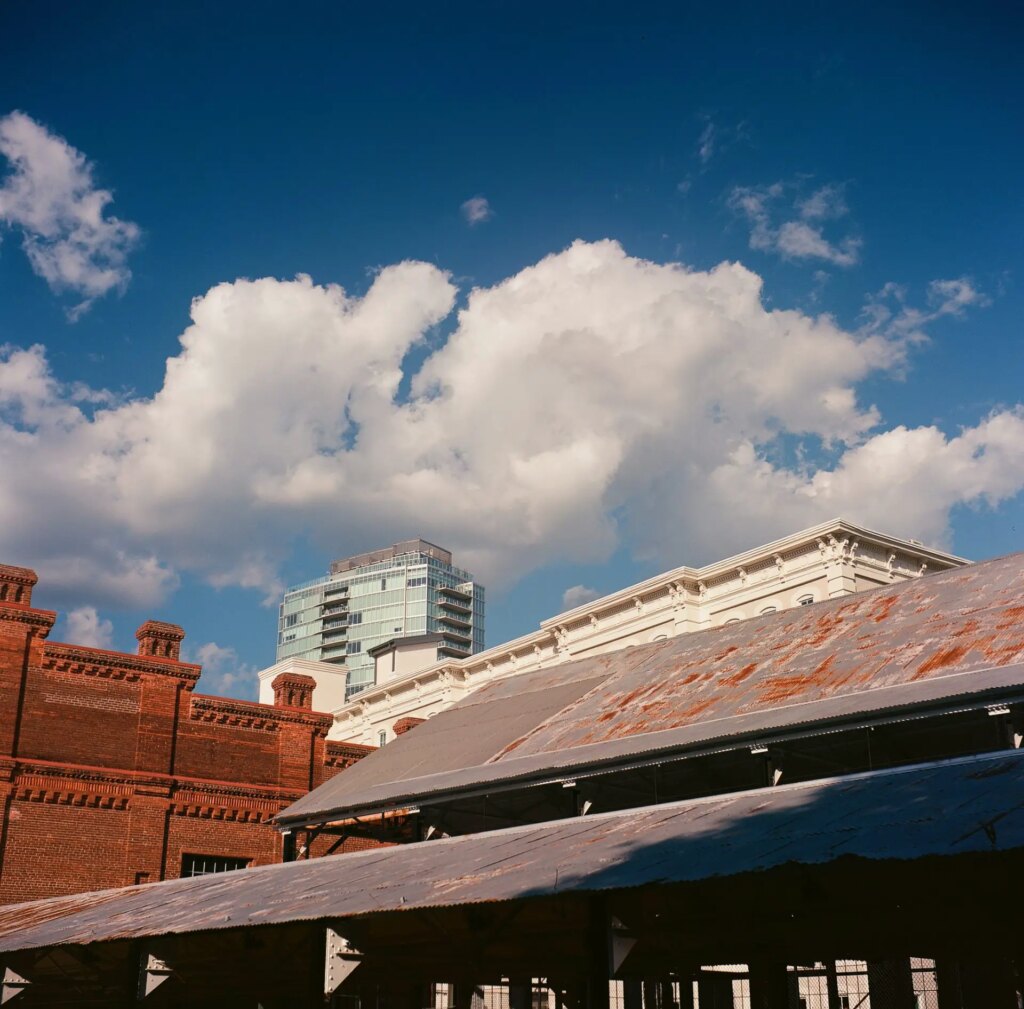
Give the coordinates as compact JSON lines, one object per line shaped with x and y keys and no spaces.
{"x":968,"y":618}
{"x":955,"y":621}
{"x":970,"y":805}
{"x":464,"y":735}
{"x":976,"y":687}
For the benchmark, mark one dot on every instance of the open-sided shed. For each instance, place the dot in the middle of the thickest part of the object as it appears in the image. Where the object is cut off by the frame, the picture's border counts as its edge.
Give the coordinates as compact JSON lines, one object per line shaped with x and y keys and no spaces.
{"x":926,"y":861}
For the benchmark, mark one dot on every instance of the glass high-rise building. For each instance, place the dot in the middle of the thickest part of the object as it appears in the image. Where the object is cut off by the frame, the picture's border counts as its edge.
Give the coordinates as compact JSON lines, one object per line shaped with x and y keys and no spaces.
{"x":406,"y":589}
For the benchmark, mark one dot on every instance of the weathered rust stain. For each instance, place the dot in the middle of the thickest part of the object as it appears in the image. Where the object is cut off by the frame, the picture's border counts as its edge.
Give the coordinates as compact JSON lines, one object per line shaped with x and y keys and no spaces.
{"x":940,"y":660}
{"x":970,"y":628}
{"x":882,"y":608}
{"x":744,"y":673}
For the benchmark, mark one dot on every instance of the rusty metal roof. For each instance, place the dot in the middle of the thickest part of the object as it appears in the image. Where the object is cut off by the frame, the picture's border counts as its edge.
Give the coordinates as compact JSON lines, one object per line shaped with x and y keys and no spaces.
{"x":952,"y":634}
{"x":971,"y":805}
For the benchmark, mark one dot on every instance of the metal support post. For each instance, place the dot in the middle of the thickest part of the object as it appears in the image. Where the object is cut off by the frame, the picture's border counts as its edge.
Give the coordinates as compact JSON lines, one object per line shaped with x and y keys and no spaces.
{"x":890,"y":984}
{"x":832,"y":985}
{"x":520,"y":994}
{"x":769,"y":986}
{"x":714,"y":990}
{"x":987,"y":983}
{"x":666,"y":996}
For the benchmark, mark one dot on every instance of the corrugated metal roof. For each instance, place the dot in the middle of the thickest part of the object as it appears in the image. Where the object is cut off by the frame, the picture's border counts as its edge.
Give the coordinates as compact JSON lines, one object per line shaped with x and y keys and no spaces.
{"x":955,"y":807}
{"x":839,"y":657}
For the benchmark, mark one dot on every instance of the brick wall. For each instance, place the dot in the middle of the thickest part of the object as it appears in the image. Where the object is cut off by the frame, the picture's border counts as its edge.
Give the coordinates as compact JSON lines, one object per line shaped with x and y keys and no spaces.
{"x":112,"y":768}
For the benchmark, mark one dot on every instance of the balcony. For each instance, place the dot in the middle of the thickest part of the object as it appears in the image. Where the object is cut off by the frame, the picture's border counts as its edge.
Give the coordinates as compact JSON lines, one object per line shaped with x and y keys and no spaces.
{"x":456,"y":594}
{"x":454,"y":606}
{"x":458,"y":622}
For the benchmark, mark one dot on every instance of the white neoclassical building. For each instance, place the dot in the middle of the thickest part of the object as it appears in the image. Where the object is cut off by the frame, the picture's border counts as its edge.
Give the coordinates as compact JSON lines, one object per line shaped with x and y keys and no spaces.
{"x":832,"y":559}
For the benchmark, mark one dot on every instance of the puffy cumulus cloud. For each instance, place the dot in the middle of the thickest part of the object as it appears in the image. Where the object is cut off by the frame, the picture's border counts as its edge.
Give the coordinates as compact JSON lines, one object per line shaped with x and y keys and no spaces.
{"x":476,"y":210}
{"x":801,"y":236}
{"x":905,"y":481}
{"x":50,"y":196}
{"x":223,"y":673}
{"x":84,"y":627}
{"x":577,"y":595}
{"x":591,"y":399}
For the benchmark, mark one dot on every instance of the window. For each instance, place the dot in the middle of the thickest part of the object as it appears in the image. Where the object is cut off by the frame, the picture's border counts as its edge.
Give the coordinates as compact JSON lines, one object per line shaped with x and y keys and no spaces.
{"x":291,"y":620}
{"x":805,"y":600}
{"x":383,"y":738}
{"x":355,"y":618}
{"x":204,"y":865}
{"x":383,"y":584}
{"x":353,"y":647}
{"x":767,"y":610}
{"x":844,"y":1002}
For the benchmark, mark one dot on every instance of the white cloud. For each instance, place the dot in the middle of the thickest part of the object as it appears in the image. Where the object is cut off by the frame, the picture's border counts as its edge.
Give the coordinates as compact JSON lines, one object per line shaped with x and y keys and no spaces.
{"x":905,"y":481}
{"x":84,"y":627}
{"x":577,"y":595}
{"x":888,"y":312}
{"x":802,"y":236}
{"x":51,"y":198}
{"x":706,"y":143}
{"x":716,"y":138}
{"x":222,"y":671}
{"x":476,"y":210}
{"x":588,"y":401}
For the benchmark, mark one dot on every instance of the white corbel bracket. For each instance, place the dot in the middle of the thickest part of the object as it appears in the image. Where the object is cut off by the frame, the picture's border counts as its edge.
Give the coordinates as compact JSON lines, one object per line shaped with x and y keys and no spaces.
{"x":620,"y":944}
{"x":12,"y":985}
{"x":340,"y":961}
{"x":153,"y":972}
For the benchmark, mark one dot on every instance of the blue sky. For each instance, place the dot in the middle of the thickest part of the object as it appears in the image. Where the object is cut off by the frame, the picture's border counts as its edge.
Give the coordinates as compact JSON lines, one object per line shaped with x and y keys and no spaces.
{"x":595,"y":413}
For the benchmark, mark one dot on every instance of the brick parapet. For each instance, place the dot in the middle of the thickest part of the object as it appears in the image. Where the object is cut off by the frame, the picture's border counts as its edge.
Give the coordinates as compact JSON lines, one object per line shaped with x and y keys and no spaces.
{"x":40,"y":621}
{"x":252,"y":714}
{"x":112,"y":769}
{"x":106,"y":664}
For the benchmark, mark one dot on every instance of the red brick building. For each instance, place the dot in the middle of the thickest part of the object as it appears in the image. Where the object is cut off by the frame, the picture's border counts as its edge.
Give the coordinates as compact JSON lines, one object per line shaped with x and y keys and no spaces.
{"x":113,"y":771}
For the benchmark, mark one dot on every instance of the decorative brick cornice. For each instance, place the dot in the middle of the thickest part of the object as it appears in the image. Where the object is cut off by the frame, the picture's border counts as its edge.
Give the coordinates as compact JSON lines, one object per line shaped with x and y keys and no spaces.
{"x":55,"y":796}
{"x":343,"y":754}
{"x":128,"y":781}
{"x":72,"y":788}
{"x":105,"y":664}
{"x":195,"y":790}
{"x":250,"y":715}
{"x":205,"y":812}
{"x":98,"y":788}
{"x":41,"y":621}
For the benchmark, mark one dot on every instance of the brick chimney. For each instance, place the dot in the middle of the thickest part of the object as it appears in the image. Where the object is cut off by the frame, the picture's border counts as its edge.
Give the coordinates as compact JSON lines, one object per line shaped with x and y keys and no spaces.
{"x":159,"y":640}
{"x":16,"y":584}
{"x":293,"y":690}
{"x":403,"y":725}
